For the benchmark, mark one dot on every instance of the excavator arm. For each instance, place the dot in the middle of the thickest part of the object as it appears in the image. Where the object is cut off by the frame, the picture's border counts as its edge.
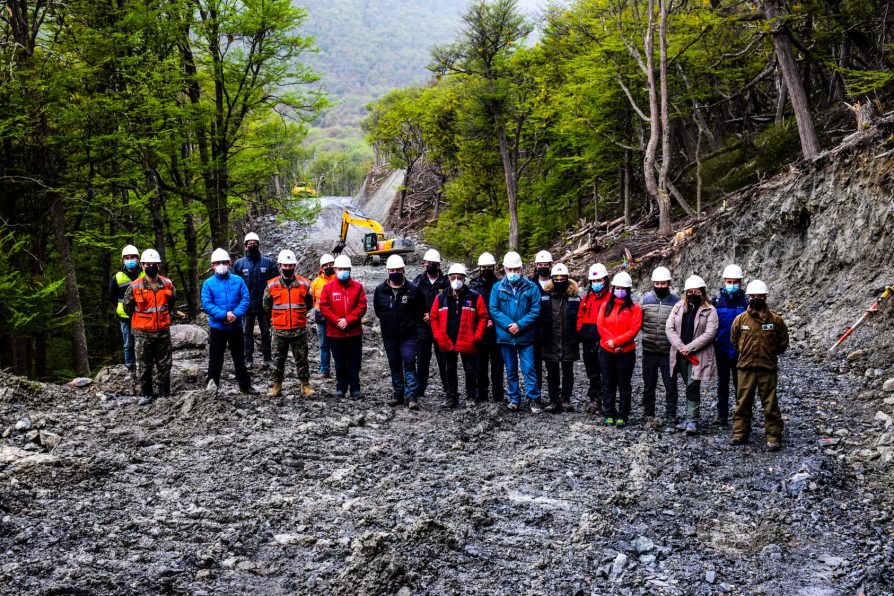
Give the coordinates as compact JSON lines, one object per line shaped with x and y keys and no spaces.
{"x":349,"y":219}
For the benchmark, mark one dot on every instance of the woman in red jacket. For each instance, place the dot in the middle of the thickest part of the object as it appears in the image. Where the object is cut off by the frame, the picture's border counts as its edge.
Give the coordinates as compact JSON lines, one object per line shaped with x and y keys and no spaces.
{"x":458,"y":320}
{"x":343,"y":304}
{"x":597,"y":294}
{"x":619,"y":321}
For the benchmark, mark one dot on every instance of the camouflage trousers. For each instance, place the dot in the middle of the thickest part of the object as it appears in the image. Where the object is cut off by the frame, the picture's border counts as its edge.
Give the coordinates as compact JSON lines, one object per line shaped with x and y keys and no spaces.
{"x":297,"y":341}
{"x":153,"y":349}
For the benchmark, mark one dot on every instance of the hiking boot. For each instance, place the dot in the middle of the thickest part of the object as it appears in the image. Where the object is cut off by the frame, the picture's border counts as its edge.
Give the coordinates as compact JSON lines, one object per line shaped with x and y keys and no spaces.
{"x":212,"y":387}
{"x":691,"y":428}
{"x":450,"y":404}
{"x":396,"y":401}
{"x":512,"y":406}
{"x":682,"y":426}
{"x":145,"y":400}
{"x":609,"y":421}
{"x":722,"y":422}
{"x":738,"y":441}
{"x":356,"y":394}
{"x":413,"y":404}
{"x":250,"y":390}
{"x":275,"y":389}
{"x":535,"y":408}
{"x":339,"y":394}
{"x":552,"y":408}
{"x":249,"y":363}
{"x":326,"y":374}
{"x":306,"y":389}
{"x":164,"y":390}
{"x":567,"y":406}
{"x":773,"y":445}
{"x":620,"y":422}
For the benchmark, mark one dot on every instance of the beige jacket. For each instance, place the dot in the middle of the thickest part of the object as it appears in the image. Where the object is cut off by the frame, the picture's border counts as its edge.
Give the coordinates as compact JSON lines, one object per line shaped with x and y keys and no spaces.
{"x":702,"y":345}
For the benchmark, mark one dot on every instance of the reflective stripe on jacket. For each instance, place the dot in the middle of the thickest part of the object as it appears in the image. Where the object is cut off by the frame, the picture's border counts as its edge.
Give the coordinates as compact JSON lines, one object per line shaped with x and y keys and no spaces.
{"x":472,"y":321}
{"x":290,"y":303}
{"x":152,"y":306}
{"x":118,"y":286}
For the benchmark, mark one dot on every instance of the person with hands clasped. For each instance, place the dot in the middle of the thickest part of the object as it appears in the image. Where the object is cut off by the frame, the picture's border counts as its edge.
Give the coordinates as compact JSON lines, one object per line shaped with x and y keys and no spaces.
{"x":619,"y":321}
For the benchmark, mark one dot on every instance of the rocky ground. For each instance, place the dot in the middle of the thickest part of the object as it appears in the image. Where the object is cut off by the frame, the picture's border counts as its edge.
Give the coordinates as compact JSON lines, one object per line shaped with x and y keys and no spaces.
{"x":204,"y":494}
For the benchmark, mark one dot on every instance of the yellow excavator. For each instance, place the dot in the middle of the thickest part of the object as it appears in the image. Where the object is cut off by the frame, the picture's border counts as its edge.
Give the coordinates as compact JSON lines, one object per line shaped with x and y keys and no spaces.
{"x":374,"y":243}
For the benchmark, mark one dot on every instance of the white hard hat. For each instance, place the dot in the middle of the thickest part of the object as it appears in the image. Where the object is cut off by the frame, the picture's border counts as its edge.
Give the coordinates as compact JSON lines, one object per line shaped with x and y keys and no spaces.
{"x":559,"y":269}
{"x":732,"y":272}
{"x":457,"y":269}
{"x":757,"y":288}
{"x":661,"y":274}
{"x":543,"y":257}
{"x":150,"y":255}
{"x":395,"y":262}
{"x":252,"y":236}
{"x":343,"y":262}
{"x":432,"y":256}
{"x":130,"y":249}
{"x":693,"y":282}
{"x":287,"y":257}
{"x":486,"y":259}
{"x":219,"y":254}
{"x":512,"y":259}
{"x":622,"y":279}
{"x":327,"y":258}
{"x":597,"y":271}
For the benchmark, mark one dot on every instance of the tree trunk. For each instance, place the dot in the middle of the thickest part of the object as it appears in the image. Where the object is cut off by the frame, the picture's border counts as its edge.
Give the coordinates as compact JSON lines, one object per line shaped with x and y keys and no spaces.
{"x":511,"y":191}
{"x":649,"y":157}
{"x":698,"y":174}
{"x":72,"y":297}
{"x":781,"y":100}
{"x":626,"y":186}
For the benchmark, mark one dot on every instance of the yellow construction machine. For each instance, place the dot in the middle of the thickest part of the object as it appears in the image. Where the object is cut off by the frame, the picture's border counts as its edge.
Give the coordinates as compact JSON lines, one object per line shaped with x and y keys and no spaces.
{"x":374,"y":243}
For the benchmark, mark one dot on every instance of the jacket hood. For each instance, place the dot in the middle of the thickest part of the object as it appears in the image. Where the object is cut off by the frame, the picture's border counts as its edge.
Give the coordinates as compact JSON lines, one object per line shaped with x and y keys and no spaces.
{"x":573,"y":288}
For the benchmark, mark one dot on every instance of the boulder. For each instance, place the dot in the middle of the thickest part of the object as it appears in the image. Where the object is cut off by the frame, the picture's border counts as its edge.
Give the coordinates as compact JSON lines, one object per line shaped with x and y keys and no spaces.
{"x":188,"y":336}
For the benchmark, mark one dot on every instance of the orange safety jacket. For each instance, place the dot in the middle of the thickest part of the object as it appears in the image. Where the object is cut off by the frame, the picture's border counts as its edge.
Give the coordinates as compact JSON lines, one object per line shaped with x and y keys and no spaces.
{"x":290,"y":303}
{"x":152,"y":308}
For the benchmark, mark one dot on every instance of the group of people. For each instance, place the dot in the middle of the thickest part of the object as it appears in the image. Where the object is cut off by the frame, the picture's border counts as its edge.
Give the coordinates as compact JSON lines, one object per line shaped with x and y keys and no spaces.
{"x":490,"y":325}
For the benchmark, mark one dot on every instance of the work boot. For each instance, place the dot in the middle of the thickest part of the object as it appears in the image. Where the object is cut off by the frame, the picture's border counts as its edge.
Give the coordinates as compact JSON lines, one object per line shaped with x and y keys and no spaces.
{"x":535,"y":408}
{"x":450,"y":404}
{"x":250,"y":390}
{"x":132,"y":370}
{"x":738,"y":441}
{"x":682,"y":426}
{"x":512,"y":406}
{"x":212,"y":387}
{"x":412,"y":404}
{"x":146,"y":396}
{"x":567,"y":406}
{"x":306,"y":389}
{"x":339,"y":394}
{"x":552,"y":408}
{"x":357,"y":394}
{"x":773,"y":445}
{"x":275,"y":389}
{"x":691,"y":428}
{"x":164,"y":390}
{"x":396,"y":401}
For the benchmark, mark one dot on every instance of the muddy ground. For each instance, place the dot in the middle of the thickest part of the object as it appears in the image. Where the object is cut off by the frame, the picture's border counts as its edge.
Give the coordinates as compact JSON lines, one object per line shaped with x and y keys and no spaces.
{"x":238,"y":494}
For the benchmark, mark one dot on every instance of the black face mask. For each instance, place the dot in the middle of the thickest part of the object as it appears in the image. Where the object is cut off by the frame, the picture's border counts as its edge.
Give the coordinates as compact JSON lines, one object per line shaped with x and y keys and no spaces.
{"x":433,"y":269}
{"x":543,"y":271}
{"x":695,"y":301}
{"x":288,"y":273}
{"x":560,"y":286}
{"x":662,"y":292}
{"x":488,"y":275}
{"x":329,"y":271}
{"x":396,"y":278}
{"x":150,"y":270}
{"x":757,"y":303}
{"x":254,"y":250}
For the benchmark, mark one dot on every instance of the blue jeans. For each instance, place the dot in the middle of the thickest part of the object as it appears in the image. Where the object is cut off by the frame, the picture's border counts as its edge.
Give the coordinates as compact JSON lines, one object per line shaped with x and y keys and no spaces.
{"x":127,"y":336}
{"x":325,"y":352}
{"x":402,"y":362}
{"x":513,"y":356}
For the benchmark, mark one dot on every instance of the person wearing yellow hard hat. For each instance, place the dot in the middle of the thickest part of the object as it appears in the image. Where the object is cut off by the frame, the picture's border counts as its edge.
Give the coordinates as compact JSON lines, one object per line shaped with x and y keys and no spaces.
{"x":324,"y":276}
{"x":130,"y":270}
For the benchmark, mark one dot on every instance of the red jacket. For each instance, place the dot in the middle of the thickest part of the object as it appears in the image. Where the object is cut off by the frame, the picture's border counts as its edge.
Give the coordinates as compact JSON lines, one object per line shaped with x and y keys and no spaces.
{"x":587,"y":314}
{"x":343,"y":301}
{"x":472,"y":322}
{"x":621,"y":325}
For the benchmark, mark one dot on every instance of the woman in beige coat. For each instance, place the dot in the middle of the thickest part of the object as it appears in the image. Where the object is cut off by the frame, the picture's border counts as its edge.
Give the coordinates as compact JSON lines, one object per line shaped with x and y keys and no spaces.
{"x":691,"y":328}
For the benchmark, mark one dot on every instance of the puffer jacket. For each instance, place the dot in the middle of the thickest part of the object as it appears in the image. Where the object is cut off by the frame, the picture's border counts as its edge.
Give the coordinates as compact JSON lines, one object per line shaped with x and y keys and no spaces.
{"x":655,"y":314}
{"x":469,"y":307}
{"x":760,"y":337}
{"x":221,"y":294}
{"x":256,"y":273}
{"x":559,"y":341}
{"x":621,"y":326}
{"x":701,"y":346}
{"x":515,"y":303}
{"x":729,"y":306}
{"x":588,"y":313}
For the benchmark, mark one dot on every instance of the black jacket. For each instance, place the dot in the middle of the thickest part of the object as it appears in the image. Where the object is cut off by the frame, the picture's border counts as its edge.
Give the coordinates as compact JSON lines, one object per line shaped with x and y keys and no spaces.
{"x":484,"y":288}
{"x":429,"y":291}
{"x":256,"y":273}
{"x":399,"y":315}
{"x":559,"y":341}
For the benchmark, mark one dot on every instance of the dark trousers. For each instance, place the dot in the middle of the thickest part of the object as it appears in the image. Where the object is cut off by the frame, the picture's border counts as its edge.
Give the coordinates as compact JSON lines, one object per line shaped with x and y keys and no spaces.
{"x":594,"y":371}
{"x":347,"y":352}
{"x":424,"y":365}
{"x":218,"y":342}
{"x":553,"y":380}
{"x":402,"y":362}
{"x":451,"y":361}
{"x":248,"y":330}
{"x":538,"y":365}
{"x":652,"y":363}
{"x":489,"y":363}
{"x":726,"y":369}
{"x":617,"y":373}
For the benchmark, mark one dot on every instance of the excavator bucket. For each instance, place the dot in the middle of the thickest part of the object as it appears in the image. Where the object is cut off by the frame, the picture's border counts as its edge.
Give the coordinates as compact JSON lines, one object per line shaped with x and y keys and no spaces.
{"x":339,"y":246}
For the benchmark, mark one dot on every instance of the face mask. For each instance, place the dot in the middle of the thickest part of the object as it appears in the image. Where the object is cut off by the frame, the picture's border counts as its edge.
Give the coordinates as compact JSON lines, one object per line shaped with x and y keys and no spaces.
{"x":620,"y":293}
{"x":695,"y":300}
{"x":597,"y":287}
{"x":150,"y":270}
{"x":221,"y":269}
{"x":543,"y":271}
{"x":757,"y":303}
{"x":730,"y":288}
{"x":396,"y":278}
{"x":488,"y":275}
{"x":288,"y":273}
{"x":130,"y":263}
{"x":432,"y":269}
{"x":328,"y":271}
{"x":512,"y":277}
{"x":254,"y":250}
{"x":662,"y":292}
{"x":561,"y":286}
{"x":456,"y":284}
{"x":344,"y":275}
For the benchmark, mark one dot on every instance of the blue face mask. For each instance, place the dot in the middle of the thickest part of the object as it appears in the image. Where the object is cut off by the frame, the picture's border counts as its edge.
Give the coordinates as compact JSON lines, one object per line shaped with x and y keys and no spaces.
{"x":597,"y":287}
{"x":130,"y":263}
{"x":513,"y":277}
{"x":730,"y":288}
{"x":344,"y":275}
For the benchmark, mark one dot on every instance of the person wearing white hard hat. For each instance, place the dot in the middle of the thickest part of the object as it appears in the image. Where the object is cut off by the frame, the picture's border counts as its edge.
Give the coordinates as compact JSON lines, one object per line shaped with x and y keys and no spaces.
{"x":324,"y":276}
{"x":489,"y":360}
{"x":619,"y":321}
{"x":343,"y":304}
{"x":430,"y":282}
{"x":691,"y":328}
{"x":256,"y":270}
{"x":657,"y":306}
{"x":458,"y":321}
{"x":543,"y":262}
{"x":515,"y":308}
{"x":559,"y":340}
{"x":287,"y":300}
{"x":760,"y":336}
{"x":148,"y":302}
{"x":225,"y":300}
{"x":399,"y":305}
{"x":730,"y":302}
{"x":598,"y":293}
{"x":130,"y":270}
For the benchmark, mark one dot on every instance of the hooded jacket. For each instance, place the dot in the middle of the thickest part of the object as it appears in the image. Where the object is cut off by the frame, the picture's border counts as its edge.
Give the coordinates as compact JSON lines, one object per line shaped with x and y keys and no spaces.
{"x":221,"y":294}
{"x":515,"y":303}
{"x":559,"y":340}
{"x":621,"y":326}
{"x":701,"y":346}
{"x":588,"y":313}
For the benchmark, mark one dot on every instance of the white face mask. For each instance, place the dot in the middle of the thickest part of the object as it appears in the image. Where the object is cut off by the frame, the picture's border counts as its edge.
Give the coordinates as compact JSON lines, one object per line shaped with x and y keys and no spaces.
{"x":221,"y":269}
{"x":456,"y":284}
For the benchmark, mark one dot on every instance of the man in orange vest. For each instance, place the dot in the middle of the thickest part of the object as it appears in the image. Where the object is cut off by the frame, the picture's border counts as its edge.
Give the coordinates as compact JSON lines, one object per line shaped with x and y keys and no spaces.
{"x":148,"y":302}
{"x":288,"y":299}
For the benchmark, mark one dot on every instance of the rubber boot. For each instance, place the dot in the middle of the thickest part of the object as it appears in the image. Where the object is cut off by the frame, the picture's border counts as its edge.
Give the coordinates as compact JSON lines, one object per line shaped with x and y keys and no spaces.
{"x":306,"y":389}
{"x":275,"y":389}
{"x":164,"y":390}
{"x":146,"y":396}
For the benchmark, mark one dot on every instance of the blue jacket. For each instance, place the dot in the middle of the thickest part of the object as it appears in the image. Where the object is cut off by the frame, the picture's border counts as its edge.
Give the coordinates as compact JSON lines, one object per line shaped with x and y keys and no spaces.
{"x":519,"y":304}
{"x":729,"y":306}
{"x":256,"y":274}
{"x":222,"y":294}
